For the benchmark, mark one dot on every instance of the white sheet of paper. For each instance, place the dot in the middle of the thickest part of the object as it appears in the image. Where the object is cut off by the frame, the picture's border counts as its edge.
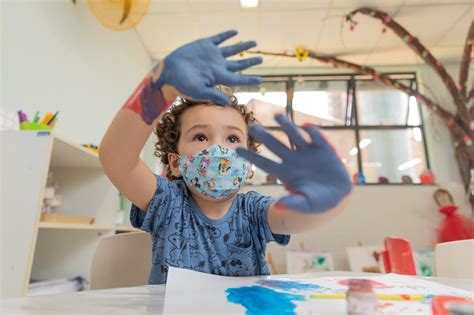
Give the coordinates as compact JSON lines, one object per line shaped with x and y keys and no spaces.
{"x":190,"y":292}
{"x":361,"y":257}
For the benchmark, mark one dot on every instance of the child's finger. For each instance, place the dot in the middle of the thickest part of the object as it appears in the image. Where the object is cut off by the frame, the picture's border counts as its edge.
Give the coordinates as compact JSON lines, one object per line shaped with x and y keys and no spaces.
{"x":316,"y":136}
{"x":240,"y":65}
{"x":213,"y":95}
{"x":221,"y":37}
{"x":237,"y":48}
{"x":291,"y":130}
{"x":272,"y":143}
{"x":269,"y":166}
{"x":232,"y":79}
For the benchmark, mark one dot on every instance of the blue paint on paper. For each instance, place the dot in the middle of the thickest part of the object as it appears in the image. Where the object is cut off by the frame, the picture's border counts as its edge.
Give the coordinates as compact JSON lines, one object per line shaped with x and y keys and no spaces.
{"x":286,"y":285}
{"x":261,"y":300}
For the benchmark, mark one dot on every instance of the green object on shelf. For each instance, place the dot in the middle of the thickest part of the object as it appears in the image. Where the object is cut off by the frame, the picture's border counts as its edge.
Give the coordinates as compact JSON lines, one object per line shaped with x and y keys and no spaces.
{"x":28,"y":125}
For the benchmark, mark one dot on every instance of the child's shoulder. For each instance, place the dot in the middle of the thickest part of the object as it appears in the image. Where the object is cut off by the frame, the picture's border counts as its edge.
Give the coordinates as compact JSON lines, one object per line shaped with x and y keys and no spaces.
{"x":252,"y":199}
{"x":175,"y":186}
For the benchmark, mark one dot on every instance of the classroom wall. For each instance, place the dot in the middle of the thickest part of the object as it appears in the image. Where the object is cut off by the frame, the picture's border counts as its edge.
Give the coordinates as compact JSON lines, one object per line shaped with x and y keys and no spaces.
{"x":57,"y":56}
{"x":373,"y":213}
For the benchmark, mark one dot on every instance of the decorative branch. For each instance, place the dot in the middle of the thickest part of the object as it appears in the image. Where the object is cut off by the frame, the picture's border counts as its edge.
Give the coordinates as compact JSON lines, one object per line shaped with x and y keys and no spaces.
{"x":442,"y":113}
{"x":424,"y":53}
{"x":466,"y":59}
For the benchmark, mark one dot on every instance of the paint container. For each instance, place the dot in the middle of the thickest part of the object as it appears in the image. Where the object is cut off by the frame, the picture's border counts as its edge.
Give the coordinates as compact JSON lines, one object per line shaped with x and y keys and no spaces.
{"x":361,"y":298}
{"x":460,"y":308}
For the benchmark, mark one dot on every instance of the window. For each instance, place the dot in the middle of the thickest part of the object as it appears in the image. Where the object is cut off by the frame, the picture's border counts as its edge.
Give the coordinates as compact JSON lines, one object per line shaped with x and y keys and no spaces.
{"x":375,"y":129}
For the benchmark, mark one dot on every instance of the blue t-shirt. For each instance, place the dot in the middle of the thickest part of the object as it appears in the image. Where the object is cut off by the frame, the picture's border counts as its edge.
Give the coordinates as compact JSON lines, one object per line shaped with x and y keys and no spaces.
{"x":183,"y":236}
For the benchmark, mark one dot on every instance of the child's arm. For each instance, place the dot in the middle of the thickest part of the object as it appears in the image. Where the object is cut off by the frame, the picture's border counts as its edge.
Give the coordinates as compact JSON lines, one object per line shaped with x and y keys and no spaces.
{"x":192,"y":71}
{"x":293,"y":221}
{"x":317,"y":180}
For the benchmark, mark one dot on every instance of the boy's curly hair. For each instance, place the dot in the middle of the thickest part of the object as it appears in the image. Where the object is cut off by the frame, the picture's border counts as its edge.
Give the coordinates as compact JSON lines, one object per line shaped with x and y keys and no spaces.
{"x":168,"y":128}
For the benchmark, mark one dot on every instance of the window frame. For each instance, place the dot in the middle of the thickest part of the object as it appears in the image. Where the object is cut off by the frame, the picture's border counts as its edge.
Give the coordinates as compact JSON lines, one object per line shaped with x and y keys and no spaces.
{"x":351,"y":121}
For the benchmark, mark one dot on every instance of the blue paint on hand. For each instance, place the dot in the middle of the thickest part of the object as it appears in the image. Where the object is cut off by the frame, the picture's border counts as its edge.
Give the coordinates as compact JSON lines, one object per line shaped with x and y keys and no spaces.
{"x":261,"y":300}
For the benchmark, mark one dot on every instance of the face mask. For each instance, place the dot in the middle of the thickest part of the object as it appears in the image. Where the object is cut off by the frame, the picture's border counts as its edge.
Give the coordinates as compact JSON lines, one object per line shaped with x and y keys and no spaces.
{"x":215,"y":172}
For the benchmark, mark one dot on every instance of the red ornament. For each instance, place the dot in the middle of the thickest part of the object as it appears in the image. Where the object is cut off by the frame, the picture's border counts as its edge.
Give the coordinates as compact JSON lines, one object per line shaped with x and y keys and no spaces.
{"x":450,"y":122}
{"x":387,"y":19}
{"x":454,"y":227}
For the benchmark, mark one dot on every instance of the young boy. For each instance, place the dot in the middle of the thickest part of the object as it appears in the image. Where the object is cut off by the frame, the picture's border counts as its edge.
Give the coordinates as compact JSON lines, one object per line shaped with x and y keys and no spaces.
{"x":196,"y":218}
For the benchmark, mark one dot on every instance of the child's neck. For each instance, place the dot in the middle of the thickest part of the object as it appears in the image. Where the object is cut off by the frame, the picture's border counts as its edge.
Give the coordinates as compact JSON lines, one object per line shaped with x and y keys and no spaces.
{"x":213,"y":209}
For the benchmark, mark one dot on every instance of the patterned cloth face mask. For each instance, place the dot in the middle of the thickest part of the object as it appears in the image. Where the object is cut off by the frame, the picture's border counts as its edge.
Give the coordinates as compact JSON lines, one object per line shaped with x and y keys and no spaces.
{"x":215,"y":172}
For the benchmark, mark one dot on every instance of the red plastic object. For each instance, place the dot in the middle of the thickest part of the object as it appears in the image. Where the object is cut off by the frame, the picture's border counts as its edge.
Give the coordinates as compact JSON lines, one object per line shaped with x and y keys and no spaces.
{"x":398,"y":256}
{"x":427,"y":177}
{"x":439,"y":303}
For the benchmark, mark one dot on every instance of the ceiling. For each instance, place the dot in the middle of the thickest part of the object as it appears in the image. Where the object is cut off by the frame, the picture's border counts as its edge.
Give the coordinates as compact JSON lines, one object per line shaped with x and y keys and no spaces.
{"x":279,"y":25}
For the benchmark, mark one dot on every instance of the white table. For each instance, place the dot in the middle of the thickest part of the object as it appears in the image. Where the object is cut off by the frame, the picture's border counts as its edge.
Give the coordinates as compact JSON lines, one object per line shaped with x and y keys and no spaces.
{"x":135,"y":300}
{"x":146,"y":299}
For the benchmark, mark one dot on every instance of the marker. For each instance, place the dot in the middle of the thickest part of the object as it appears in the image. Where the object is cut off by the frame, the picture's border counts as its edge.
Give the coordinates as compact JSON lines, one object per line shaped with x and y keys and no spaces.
{"x":391,"y":297}
{"x":20,"y":116}
{"x":53,"y":118}
{"x":36,"y":118}
{"x":46,"y":118}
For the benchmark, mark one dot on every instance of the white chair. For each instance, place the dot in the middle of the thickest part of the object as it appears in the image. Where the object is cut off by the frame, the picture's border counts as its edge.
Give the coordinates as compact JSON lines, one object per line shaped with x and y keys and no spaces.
{"x":455,"y":259}
{"x":122,"y":260}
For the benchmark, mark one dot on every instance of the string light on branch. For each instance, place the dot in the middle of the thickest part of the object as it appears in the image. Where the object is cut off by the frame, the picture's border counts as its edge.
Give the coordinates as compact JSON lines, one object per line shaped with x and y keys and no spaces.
{"x":408,"y":38}
{"x":468,"y":141}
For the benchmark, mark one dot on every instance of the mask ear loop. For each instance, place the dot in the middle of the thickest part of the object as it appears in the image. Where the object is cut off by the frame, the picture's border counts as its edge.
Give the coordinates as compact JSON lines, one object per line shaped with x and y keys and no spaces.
{"x":251,"y":173}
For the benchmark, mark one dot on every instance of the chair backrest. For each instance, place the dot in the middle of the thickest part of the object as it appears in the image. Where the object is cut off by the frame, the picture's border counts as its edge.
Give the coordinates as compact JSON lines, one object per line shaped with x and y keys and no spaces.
{"x":455,"y":259}
{"x":398,"y":256}
{"x":122,"y":260}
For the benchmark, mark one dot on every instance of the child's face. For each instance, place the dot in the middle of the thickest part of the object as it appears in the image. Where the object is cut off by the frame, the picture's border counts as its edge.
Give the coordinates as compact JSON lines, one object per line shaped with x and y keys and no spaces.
{"x":203,"y":126}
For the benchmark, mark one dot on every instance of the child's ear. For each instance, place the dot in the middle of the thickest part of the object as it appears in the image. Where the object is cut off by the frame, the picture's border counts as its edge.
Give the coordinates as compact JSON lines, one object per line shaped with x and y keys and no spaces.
{"x":173,"y":159}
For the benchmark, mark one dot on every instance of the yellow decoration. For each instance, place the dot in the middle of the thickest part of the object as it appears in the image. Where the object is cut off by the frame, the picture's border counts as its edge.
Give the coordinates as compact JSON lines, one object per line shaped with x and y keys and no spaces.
{"x":119,"y":15}
{"x":301,"y":54}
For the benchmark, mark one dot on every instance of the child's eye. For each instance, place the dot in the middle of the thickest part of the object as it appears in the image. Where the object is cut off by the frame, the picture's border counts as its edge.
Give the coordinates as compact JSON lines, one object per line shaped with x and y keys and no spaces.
{"x":233,"y":139}
{"x":200,"y":137}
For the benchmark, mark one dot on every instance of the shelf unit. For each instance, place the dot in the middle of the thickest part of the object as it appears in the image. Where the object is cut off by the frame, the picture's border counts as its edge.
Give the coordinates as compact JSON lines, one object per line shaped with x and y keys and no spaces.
{"x":36,"y":250}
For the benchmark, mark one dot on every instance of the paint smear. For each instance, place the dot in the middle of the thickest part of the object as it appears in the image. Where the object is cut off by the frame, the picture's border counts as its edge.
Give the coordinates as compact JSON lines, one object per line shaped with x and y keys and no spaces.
{"x":375,"y":284}
{"x":286,"y":285}
{"x":261,"y":300}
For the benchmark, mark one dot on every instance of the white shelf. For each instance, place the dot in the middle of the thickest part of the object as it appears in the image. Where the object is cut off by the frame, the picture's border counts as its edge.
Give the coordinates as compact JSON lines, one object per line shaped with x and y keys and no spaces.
{"x":70,"y":226}
{"x":48,"y":250}
{"x":72,"y":155}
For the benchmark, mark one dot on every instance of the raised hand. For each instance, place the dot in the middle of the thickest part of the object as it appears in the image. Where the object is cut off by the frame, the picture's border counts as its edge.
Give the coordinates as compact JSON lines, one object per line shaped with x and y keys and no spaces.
{"x":195,"y":68}
{"x":312,"y":172}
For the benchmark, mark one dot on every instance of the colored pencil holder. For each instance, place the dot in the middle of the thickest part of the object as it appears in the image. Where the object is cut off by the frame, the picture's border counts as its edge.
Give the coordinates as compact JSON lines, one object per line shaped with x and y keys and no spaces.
{"x":27,"y":125}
